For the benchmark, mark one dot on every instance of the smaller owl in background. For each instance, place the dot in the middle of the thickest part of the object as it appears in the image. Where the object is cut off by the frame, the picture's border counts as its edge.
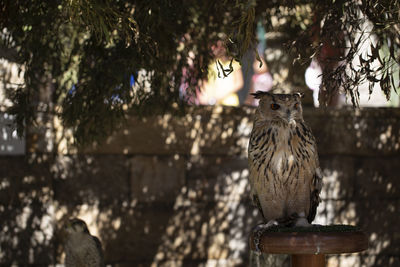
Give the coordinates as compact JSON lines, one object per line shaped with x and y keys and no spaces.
{"x":81,"y":248}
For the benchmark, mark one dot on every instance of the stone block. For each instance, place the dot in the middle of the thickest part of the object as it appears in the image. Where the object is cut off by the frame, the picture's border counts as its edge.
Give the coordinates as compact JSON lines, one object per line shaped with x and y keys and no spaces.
{"x":225,"y":131}
{"x":361,"y":132}
{"x":26,"y":211}
{"x":338,"y":177}
{"x":93,"y":180}
{"x":377,"y":176}
{"x":157,"y":179}
{"x":336,"y":212}
{"x":203,"y":130}
{"x":138,"y":235}
{"x":332,"y":130}
{"x":362,"y":259}
{"x":218,"y":178}
{"x":379,"y":218}
{"x":158,"y":233}
{"x":381,"y":260}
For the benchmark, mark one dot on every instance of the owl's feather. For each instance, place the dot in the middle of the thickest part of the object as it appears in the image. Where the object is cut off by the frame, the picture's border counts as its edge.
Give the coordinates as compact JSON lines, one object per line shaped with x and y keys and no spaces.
{"x":81,"y":248}
{"x":284,"y":169}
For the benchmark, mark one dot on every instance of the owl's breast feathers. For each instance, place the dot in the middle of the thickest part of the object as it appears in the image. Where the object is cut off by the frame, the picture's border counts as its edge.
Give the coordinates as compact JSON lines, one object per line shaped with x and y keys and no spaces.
{"x":283,"y":159}
{"x":84,"y":250}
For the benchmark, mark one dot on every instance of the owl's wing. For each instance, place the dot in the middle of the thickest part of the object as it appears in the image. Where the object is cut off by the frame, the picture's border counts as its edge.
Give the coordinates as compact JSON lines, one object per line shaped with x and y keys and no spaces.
{"x":316,"y":180}
{"x":69,"y":259}
{"x":93,"y":256}
{"x":253,"y":194}
{"x":253,"y":170}
{"x":99,"y":251}
{"x":316,"y":186}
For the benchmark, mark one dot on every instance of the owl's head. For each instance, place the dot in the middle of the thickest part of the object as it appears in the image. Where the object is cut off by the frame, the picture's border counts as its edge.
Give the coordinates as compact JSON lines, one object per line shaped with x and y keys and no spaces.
{"x":77,"y":226}
{"x":284,"y":108}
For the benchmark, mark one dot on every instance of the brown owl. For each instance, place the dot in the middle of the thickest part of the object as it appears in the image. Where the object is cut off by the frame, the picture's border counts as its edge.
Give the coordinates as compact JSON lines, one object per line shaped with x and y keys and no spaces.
{"x":285,"y":177}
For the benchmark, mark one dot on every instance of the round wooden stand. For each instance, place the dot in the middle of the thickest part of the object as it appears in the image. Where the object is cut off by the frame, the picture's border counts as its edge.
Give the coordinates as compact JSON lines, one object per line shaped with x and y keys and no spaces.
{"x":309,"y":248}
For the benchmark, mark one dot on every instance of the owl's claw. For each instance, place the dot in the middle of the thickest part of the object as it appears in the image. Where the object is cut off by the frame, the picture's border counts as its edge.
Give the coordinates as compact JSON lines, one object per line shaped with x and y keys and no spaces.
{"x":302,"y":222}
{"x":258,"y":232}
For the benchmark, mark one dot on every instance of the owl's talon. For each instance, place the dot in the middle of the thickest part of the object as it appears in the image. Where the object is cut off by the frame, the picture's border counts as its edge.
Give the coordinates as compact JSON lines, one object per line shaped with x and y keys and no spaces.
{"x":258,"y":231}
{"x":302,"y":222}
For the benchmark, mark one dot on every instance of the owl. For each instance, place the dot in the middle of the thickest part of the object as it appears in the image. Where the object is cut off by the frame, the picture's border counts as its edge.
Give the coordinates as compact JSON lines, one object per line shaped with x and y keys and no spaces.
{"x":81,"y":248}
{"x":285,"y":177}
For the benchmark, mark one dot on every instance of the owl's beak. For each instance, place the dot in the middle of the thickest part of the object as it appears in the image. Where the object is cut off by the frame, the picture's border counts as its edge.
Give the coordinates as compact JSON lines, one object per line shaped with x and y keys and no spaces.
{"x":290,"y":119}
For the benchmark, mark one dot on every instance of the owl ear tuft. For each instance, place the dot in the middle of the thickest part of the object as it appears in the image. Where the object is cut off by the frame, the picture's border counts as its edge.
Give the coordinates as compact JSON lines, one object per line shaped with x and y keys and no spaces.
{"x":260,"y":94}
{"x":301,"y":95}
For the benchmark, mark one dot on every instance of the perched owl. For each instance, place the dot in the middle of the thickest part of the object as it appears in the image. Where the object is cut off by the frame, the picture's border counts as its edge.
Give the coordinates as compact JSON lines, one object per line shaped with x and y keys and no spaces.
{"x":81,"y":248}
{"x":285,"y":177}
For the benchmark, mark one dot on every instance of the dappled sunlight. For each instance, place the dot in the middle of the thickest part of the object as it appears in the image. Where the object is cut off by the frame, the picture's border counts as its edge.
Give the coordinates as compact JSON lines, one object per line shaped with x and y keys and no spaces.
{"x":26,"y":211}
{"x":358,"y":156}
{"x":11,"y":76}
{"x":107,"y":98}
{"x":209,"y":216}
{"x":218,"y":126}
{"x":173,"y":190}
{"x":385,"y":137}
{"x":10,"y":143}
{"x":203,"y":130}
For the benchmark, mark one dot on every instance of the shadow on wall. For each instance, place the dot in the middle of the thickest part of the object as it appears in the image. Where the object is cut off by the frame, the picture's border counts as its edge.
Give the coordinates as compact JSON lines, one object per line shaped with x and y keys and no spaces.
{"x":26,"y":211}
{"x":170,"y":201}
{"x":169,"y":190}
{"x":156,"y":210}
{"x":359,"y":152}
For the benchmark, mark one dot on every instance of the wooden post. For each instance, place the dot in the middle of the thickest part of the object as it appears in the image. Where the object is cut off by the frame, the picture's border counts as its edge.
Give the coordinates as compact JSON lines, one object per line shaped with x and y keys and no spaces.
{"x":307,"y":260}
{"x":308,"y":247}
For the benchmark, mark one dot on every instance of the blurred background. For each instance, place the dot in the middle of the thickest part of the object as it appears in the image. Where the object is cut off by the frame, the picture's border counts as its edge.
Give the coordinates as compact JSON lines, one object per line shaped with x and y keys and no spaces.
{"x":135,"y":117}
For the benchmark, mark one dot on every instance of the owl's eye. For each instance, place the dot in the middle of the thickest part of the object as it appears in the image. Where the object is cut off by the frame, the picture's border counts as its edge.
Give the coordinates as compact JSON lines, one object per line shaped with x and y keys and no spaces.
{"x":275,"y":106}
{"x":296,"y":106}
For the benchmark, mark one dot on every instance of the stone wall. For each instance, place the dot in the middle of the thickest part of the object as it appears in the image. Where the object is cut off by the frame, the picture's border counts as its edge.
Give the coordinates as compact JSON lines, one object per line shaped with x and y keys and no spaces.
{"x":173,"y":190}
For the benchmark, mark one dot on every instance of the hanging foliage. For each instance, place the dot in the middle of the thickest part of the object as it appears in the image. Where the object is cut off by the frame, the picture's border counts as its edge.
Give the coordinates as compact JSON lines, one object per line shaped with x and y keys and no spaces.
{"x":90,"y":62}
